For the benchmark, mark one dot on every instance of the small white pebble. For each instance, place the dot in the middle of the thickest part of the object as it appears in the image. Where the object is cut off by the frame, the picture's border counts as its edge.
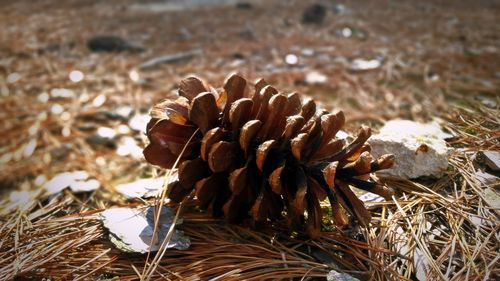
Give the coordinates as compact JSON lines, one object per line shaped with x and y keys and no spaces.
{"x":63,"y":180}
{"x":65,"y":116}
{"x":346,"y":32}
{"x":13,"y":77}
{"x":29,"y":148}
{"x":19,"y":198}
{"x":84,"y":186}
{"x":291,"y":59}
{"x":56,"y":109}
{"x":62,"y":93}
{"x":106,"y":132}
{"x":139,"y":122}
{"x":66,"y":132}
{"x":307,"y":52}
{"x":134,"y":75}
{"x":124,"y":111}
{"x":43,"y":97}
{"x":34,"y":129}
{"x":128,"y":146}
{"x":99,"y":100}
{"x":40,"y":180}
{"x":76,"y":76}
{"x":315,"y":77}
{"x":84,"y":97}
{"x":362,"y":64}
{"x":100,"y":161}
{"x":123,"y":129}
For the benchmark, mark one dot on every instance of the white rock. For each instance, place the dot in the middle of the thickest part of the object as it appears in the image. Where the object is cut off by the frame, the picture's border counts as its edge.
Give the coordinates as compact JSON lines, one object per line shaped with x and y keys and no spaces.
{"x":131,"y":230}
{"x":76,"y":76}
{"x":371,"y":197}
{"x":128,"y":146}
{"x":124,"y":111}
{"x":421,"y":264}
{"x":106,"y":132}
{"x":20,"y":199}
{"x":62,"y":93}
{"x":339,"y":276}
{"x":492,"y":197}
{"x":99,"y":100}
{"x":76,"y":180}
{"x":362,"y":64}
{"x":30,"y":148}
{"x":419,"y":149}
{"x":487,"y":179}
{"x":141,"y":188}
{"x":316,"y":77}
{"x":139,"y":122}
{"x":291,"y":59}
{"x":431,"y":129}
{"x":492,"y":159}
{"x":63,"y":180}
{"x":84,"y":186}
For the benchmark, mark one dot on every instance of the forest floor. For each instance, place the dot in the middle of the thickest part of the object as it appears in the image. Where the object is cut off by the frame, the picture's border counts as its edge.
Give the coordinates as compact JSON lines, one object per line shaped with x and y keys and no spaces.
{"x":66,"y":108}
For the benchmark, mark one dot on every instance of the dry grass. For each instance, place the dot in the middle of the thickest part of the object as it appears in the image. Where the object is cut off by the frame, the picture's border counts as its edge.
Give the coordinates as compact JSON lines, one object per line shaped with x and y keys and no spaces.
{"x":444,"y":225}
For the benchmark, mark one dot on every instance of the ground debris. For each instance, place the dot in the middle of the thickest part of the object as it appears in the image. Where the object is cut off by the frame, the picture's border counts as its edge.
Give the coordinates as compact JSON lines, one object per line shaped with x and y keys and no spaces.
{"x":142,"y":188}
{"x":77,"y":181}
{"x":111,"y":43}
{"x":138,"y":239}
{"x":314,"y":14}
{"x":492,"y":159}
{"x":419,"y":148}
{"x":338,"y":276}
{"x":171,"y":58}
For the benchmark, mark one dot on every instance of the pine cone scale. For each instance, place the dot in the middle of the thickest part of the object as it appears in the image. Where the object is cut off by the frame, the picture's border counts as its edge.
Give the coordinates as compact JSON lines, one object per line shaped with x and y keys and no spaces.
{"x":191,"y":87}
{"x":192,"y":171}
{"x":223,"y":156}
{"x":235,"y":90}
{"x":239,"y":113}
{"x":248,"y":133}
{"x":204,"y":112}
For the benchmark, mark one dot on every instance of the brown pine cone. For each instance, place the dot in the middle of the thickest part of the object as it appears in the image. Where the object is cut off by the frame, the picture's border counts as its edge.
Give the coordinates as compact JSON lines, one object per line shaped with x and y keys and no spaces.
{"x":262,"y":157}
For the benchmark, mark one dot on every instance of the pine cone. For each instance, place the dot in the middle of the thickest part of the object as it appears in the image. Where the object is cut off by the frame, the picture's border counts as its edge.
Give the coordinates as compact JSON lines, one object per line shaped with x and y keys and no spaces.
{"x":258,"y":157}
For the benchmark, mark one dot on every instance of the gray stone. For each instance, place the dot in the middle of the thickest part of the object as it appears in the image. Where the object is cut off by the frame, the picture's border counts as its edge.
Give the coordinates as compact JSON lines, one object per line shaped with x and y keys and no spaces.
{"x":339,"y":276}
{"x":419,"y":149}
{"x":492,"y":198}
{"x":487,"y":179}
{"x":131,"y":229}
{"x":492,"y":160}
{"x":77,"y":181}
{"x":142,"y":188}
{"x":111,"y":43}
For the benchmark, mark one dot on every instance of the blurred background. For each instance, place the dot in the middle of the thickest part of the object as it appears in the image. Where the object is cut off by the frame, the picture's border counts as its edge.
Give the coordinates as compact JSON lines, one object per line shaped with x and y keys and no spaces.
{"x":77,"y":78}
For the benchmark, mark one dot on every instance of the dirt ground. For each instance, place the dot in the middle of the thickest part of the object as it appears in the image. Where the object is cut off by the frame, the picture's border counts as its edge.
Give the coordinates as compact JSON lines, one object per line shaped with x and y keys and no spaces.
{"x":375,"y":60}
